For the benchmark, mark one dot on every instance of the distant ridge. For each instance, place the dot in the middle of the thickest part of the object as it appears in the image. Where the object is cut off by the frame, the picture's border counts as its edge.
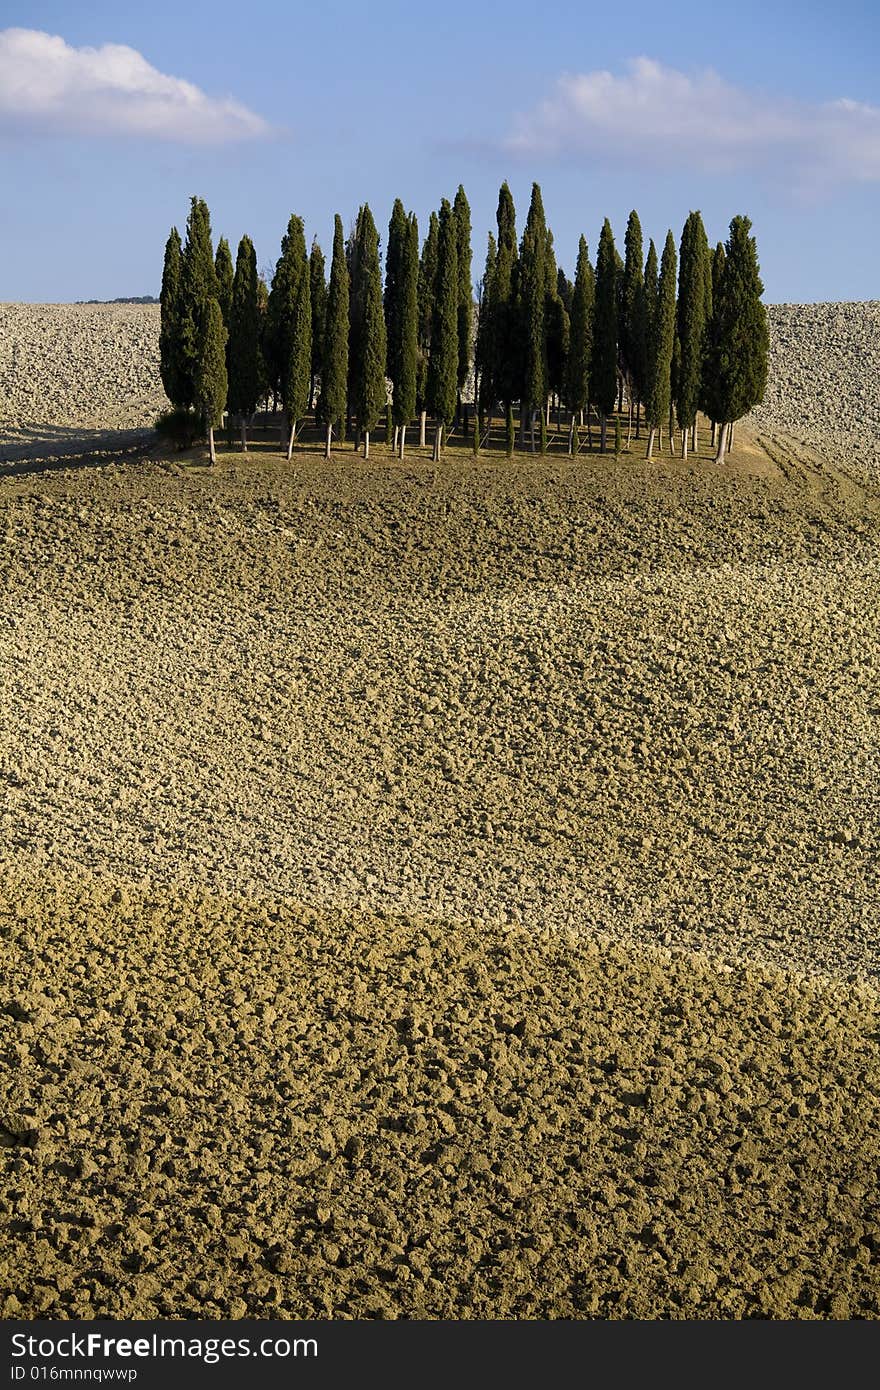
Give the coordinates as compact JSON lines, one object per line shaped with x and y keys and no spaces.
{"x":131,"y":299}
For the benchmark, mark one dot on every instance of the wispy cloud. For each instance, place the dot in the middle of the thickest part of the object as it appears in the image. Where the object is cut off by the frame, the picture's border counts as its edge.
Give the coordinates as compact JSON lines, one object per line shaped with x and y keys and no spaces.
{"x":656,"y":115}
{"x":47,"y":85}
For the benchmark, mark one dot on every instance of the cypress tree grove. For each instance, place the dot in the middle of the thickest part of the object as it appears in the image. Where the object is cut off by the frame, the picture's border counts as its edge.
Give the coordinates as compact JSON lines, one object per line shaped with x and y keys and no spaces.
{"x":243,"y":348}
{"x":407,"y":360}
{"x":368,"y":341}
{"x":603,"y":375}
{"x":661,"y":337}
{"x":581,"y":349}
{"x":442,"y":388}
{"x":224,"y":273}
{"x":318,"y":299}
{"x":740,"y":337}
{"x":427,"y":283}
{"x":464,"y":255}
{"x":198,"y":284}
{"x":533,"y":292}
{"x":169,"y":331}
{"x":692,"y":320}
{"x":293,"y":322}
{"x":632,"y":326}
{"x":334,"y":375}
{"x":210,"y":376}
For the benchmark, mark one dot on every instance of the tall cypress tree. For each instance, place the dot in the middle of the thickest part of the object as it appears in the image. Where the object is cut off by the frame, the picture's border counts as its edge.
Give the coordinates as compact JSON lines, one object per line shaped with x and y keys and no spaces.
{"x":604,"y":365}
{"x":169,"y":330}
{"x":709,"y":394}
{"x":691,"y":322}
{"x":581,"y":349}
{"x":505,"y":341}
{"x":210,"y":383}
{"x":442,"y":389}
{"x":483,"y":350}
{"x":661,"y":338}
{"x":533,"y":291}
{"x":427,"y":286}
{"x":224,"y":273}
{"x":334,"y":376}
{"x":243,"y":349}
{"x":291,"y":316}
{"x":368,"y":344}
{"x":198,"y":284}
{"x":280,"y":309}
{"x":632,"y":327}
{"x":740,"y":337}
{"x":408,"y":346}
{"x":398,"y":229}
{"x":318,"y":298}
{"x":464,"y":255}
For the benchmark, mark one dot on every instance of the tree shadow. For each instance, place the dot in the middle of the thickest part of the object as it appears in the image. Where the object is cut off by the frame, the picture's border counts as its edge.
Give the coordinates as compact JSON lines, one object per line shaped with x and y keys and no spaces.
{"x":37,"y":448}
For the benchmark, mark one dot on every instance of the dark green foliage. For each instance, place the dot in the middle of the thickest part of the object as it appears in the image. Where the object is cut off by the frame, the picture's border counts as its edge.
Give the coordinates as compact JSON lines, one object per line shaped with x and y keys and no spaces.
{"x":224,"y":273}
{"x":198,"y":284}
{"x":169,"y":332}
{"x":504,"y":340}
{"x":661,"y":337}
{"x":577,"y":388}
{"x":397,"y":233}
{"x":739,"y":337}
{"x":211,"y":380}
{"x":483,"y":352}
{"x":564,"y":289}
{"x":281,"y":306}
{"x":442,"y":386}
{"x":462,"y":213}
{"x":367,"y":334}
{"x":533,"y":254}
{"x":334,"y":376}
{"x":318,"y":299}
{"x":557,"y":326}
{"x":179,"y":428}
{"x":427,"y":282}
{"x":291,"y":316}
{"x":692,"y":319}
{"x":604,"y":364}
{"x":407,"y":349}
{"x":633,"y":344}
{"x":243,"y":351}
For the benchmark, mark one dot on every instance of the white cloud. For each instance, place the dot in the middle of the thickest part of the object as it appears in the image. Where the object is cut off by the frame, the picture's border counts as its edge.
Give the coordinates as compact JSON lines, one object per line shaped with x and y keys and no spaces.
{"x":657,"y":115}
{"x":47,"y":85}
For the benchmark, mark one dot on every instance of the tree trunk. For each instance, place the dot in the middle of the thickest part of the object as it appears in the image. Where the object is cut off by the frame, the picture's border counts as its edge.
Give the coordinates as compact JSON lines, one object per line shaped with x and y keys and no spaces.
{"x":329,"y":438}
{"x":211,"y":443}
{"x":243,"y":435}
{"x":571,"y":436}
{"x":422,"y":427}
{"x":290,"y":440}
{"x":366,"y":444}
{"x":603,"y":432}
{"x":730,"y":435}
{"x":694,"y":438}
{"x":396,"y":437}
{"x":629,"y":427}
{"x":547,"y":414}
{"x":684,"y":444}
{"x":722,"y":443}
{"x":438,"y":443}
{"x":650,"y":451}
{"x":402,"y":439}
{"x":589,"y":427}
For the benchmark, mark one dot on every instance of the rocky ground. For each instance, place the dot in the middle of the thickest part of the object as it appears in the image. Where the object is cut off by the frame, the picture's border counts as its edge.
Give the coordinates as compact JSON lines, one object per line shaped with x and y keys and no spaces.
{"x":441,"y":891}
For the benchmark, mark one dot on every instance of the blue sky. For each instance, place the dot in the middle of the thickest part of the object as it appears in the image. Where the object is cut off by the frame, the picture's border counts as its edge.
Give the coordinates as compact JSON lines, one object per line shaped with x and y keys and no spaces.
{"x":771,"y":109}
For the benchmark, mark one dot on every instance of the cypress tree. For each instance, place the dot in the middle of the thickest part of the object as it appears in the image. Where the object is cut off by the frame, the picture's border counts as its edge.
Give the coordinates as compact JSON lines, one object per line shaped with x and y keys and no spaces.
{"x":397,"y":233}
{"x":291,"y":316}
{"x":442,"y":386}
{"x":505,"y":369}
{"x":334,"y":376}
{"x":483,"y":350}
{"x":224,"y":273}
{"x":709,"y":401}
{"x":210,"y":375}
{"x":691,"y":322}
{"x":740,"y":337}
{"x":661,"y":338}
{"x":368,"y":344}
{"x":408,"y":347}
{"x":427,"y":283}
{"x":533,"y":291}
{"x":557,"y":328}
{"x":169,"y":331}
{"x":580,"y":354}
{"x":603,"y":375}
{"x":318,"y":299}
{"x":632,"y":326}
{"x":281,"y":308}
{"x":243,"y":349}
{"x":198,"y":284}
{"x":464,"y":255}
